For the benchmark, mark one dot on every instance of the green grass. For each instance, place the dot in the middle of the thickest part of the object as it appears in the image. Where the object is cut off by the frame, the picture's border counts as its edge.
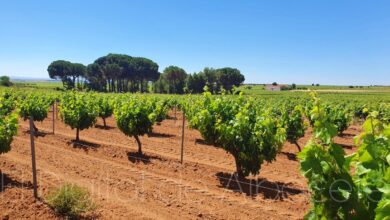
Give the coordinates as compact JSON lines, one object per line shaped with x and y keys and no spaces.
{"x":260,"y":89}
{"x":71,"y":201}
{"x":39,"y":84}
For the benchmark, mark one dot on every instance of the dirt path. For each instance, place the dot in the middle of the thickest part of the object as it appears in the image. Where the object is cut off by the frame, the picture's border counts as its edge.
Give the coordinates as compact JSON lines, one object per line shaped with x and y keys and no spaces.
{"x":157,"y":186}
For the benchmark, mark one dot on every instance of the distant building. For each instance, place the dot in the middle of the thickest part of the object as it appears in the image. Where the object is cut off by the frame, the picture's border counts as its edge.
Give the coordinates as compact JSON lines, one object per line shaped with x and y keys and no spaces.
{"x":270,"y":87}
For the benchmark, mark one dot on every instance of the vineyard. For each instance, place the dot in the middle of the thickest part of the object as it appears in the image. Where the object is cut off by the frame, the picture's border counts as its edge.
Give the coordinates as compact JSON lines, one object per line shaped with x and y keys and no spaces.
{"x":145,"y":156}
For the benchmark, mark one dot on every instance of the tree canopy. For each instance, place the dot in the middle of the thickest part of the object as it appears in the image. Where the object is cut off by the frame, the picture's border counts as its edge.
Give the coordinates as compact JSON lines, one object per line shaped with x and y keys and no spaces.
{"x":229,"y":77}
{"x":67,"y":72}
{"x":174,"y":79}
{"x":5,"y":81}
{"x":124,"y":73}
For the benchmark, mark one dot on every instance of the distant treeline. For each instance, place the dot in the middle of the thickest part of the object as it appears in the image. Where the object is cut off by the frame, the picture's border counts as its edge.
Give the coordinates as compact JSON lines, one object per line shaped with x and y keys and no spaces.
{"x":124,"y":73}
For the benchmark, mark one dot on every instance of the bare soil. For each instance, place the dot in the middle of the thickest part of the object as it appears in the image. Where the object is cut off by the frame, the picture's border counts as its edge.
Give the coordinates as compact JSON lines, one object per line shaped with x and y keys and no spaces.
{"x":156,"y":185}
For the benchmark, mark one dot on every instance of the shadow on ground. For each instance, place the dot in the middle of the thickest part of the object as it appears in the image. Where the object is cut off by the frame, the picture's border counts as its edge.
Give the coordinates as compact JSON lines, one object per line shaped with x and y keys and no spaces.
{"x":160,"y":135}
{"x":290,"y":156}
{"x":255,"y":187}
{"x":8,"y":182}
{"x":135,"y":157}
{"x":38,"y":134}
{"x":202,"y":142}
{"x":83,"y":144}
{"x":104,"y":128}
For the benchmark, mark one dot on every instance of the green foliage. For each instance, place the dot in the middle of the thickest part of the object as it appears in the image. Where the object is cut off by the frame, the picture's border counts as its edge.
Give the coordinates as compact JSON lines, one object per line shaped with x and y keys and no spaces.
{"x":121,"y":73}
{"x":173,"y":80}
{"x":67,"y":72}
{"x":36,"y":106}
{"x":251,"y":138}
{"x":8,"y":121}
{"x":334,"y":195}
{"x":229,"y":77}
{"x":333,"y":119}
{"x":340,"y":117}
{"x":372,"y":166}
{"x":5,"y":81}
{"x":160,"y":109}
{"x":8,"y":129}
{"x":71,"y":201}
{"x":323,"y":127}
{"x":7,"y":103}
{"x":106,"y":108}
{"x":294,"y":125}
{"x":382,"y":211}
{"x":337,"y":192}
{"x":78,"y":110}
{"x":195,"y":83}
{"x":239,"y":127}
{"x":134,"y":116}
{"x":293,"y":86}
{"x":205,"y":113}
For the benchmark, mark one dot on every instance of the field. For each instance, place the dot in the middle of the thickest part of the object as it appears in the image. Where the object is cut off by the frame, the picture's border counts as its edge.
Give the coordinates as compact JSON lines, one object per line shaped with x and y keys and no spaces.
{"x":260,"y":89}
{"x":38,"y":84}
{"x":247,"y":89}
{"x":155,"y":185}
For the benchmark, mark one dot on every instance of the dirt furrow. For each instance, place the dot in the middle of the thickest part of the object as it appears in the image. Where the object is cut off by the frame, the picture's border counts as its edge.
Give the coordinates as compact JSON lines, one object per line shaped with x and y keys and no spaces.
{"x":50,"y":177}
{"x":219,"y":159}
{"x":162,"y":192}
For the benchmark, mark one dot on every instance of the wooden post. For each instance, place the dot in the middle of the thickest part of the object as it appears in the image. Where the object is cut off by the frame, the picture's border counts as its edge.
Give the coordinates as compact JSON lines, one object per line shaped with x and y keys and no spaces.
{"x":34,"y":170}
{"x":54,"y":109}
{"x":182,"y":137}
{"x":56,"y":112}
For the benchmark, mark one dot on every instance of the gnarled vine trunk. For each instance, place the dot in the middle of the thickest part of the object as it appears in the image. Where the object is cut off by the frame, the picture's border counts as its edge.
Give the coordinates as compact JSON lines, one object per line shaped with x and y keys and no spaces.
{"x":104,"y":123}
{"x":139,"y":144}
{"x":35,"y":128}
{"x":239,"y":172}
{"x":299,"y":147}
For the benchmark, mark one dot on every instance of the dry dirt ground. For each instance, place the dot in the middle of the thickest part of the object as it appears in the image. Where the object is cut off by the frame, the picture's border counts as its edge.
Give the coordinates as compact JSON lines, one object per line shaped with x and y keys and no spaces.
{"x":156,"y":186}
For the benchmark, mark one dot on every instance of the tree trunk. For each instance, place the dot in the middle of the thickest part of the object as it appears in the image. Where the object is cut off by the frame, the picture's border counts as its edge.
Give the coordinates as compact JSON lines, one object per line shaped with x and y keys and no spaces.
{"x":239,"y":172}
{"x":141,"y":86}
{"x":299,"y":147}
{"x":146,"y":86}
{"x":77,"y":134}
{"x":139,"y":145}
{"x":104,"y":122}
{"x":35,"y":128}
{"x":112,"y":85}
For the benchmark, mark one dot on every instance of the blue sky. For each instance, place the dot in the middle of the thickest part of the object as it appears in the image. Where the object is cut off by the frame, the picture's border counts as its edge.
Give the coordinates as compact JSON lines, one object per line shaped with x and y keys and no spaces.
{"x":292,"y":41}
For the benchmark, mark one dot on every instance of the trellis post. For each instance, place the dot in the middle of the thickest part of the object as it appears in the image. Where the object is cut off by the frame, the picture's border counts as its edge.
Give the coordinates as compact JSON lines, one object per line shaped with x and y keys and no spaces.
{"x":34,"y":169}
{"x":182,"y":137}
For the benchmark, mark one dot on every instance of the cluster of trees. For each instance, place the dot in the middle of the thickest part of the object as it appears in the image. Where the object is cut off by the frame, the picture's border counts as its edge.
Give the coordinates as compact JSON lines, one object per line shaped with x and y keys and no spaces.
{"x":124,"y":73}
{"x":111,"y":73}
{"x":5,"y":81}
{"x":67,"y":72}
{"x":176,"y":80}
